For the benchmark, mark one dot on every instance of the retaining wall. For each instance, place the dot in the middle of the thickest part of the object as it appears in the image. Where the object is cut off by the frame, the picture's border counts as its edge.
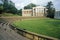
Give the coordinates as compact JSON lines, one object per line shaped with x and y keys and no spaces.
{"x":31,"y":35}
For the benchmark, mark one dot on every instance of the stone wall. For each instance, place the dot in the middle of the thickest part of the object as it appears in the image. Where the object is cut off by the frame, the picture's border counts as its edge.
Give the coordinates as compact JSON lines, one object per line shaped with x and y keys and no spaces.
{"x":31,"y":35}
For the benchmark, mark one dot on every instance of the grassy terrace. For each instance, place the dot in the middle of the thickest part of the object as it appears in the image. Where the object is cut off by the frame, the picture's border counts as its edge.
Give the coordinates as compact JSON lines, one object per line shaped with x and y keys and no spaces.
{"x":45,"y":26}
{"x":8,"y":14}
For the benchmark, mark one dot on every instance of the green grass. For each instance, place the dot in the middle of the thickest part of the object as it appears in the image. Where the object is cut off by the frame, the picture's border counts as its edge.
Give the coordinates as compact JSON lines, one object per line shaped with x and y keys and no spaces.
{"x":8,"y":14}
{"x":49,"y":27}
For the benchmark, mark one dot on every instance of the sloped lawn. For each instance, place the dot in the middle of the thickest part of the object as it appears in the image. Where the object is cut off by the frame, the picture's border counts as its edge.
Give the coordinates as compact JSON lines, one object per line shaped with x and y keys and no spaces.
{"x":49,"y":27}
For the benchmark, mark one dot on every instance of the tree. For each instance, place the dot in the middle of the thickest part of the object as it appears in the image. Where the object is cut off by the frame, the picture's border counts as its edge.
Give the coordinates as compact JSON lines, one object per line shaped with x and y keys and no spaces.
{"x":30,"y":6}
{"x":20,"y":12}
{"x":1,"y":8}
{"x":51,"y":10}
{"x":5,"y":5}
{"x":9,"y":7}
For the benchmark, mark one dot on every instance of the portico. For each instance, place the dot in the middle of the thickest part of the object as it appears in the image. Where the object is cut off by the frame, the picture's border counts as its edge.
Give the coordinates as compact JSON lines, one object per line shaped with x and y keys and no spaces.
{"x":35,"y":11}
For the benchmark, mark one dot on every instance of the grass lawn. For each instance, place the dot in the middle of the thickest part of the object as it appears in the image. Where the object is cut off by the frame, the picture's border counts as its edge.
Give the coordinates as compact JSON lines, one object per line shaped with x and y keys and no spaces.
{"x":8,"y":14}
{"x":49,"y":27}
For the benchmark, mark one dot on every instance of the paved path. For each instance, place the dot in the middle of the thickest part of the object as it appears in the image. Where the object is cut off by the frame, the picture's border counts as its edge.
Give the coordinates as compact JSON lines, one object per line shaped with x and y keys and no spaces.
{"x":8,"y":34}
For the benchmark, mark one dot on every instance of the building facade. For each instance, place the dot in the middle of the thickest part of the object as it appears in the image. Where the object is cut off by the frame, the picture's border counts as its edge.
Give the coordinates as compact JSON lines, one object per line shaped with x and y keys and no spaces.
{"x":27,"y":12}
{"x":35,"y":11}
{"x":57,"y":15}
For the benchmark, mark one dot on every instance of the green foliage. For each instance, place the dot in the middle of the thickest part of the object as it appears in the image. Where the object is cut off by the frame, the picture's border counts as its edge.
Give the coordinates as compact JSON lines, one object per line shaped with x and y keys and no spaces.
{"x":30,"y":6}
{"x":8,"y":14}
{"x":51,"y":10}
{"x":20,"y":12}
{"x":5,"y":4}
{"x":8,"y":7}
{"x":1,"y":8}
{"x":12,"y":9}
{"x":50,"y":27}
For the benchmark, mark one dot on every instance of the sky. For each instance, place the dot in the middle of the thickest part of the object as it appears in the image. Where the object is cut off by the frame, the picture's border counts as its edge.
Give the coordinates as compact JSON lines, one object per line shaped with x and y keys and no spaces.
{"x":21,"y":3}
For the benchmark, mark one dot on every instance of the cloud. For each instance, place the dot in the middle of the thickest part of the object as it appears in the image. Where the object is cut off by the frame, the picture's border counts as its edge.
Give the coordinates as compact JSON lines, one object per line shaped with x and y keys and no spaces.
{"x":21,"y":3}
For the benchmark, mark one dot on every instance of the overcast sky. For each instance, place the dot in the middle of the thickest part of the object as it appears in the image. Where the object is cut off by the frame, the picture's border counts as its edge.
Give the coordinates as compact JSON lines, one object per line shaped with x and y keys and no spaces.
{"x":21,"y":3}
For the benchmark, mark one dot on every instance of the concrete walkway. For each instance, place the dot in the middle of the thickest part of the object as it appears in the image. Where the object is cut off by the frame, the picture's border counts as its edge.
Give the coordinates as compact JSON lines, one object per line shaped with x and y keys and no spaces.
{"x":8,"y":34}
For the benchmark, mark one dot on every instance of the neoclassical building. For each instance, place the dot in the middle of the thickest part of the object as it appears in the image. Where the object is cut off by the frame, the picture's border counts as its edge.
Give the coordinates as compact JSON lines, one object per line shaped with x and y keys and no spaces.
{"x":35,"y":11}
{"x":27,"y":12}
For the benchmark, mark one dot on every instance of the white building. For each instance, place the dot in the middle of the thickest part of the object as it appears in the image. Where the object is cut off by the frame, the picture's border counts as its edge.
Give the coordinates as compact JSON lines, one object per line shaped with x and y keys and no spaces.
{"x":57,"y":15}
{"x":26,"y":12}
{"x":39,"y":11}
{"x":35,"y":11}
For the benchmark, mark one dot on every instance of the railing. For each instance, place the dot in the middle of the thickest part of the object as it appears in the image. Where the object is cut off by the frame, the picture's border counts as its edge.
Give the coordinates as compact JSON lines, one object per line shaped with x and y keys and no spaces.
{"x":31,"y":35}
